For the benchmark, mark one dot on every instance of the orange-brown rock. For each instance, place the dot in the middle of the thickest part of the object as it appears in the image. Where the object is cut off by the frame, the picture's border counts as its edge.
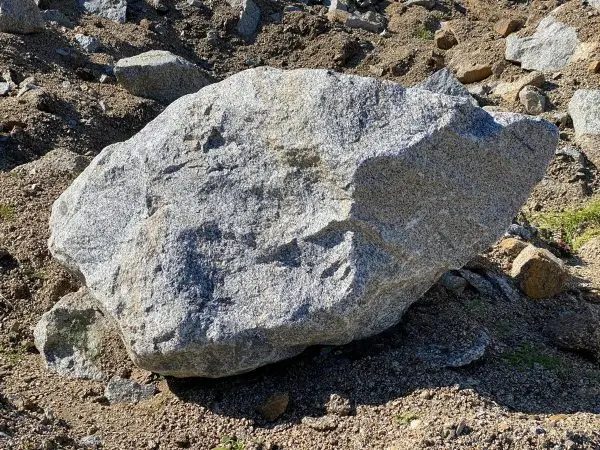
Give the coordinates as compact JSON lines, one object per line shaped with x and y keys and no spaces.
{"x":540,"y":274}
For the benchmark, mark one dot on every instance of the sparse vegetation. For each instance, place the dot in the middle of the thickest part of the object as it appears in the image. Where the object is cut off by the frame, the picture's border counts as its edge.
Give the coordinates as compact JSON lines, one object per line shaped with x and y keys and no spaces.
{"x":575,"y":226}
{"x":230,"y":443}
{"x":424,"y":33}
{"x":406,"y":418}
{"x":528,"y":355}
{"x":7,"y":212}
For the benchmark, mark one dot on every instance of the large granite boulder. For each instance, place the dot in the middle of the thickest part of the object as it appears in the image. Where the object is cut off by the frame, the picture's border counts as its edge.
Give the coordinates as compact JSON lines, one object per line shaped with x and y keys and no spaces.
{"x":281,"y":209}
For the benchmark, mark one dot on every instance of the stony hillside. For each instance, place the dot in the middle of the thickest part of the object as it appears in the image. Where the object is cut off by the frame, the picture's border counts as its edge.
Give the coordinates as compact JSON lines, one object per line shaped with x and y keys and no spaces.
{"x":500,"y":353}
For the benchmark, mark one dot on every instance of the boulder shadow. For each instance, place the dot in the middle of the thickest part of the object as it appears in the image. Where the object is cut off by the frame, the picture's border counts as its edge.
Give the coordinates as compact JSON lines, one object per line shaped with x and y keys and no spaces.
{"x":523,"y":368}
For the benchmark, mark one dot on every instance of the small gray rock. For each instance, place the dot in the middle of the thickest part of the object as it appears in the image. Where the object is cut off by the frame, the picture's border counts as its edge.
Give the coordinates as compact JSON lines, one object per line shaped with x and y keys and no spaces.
{"x":533,"y":100}
{"x":119,"y":390}
{"x":453,"y":283}
{"x":249,"y":17}
{"x":428,"y":4}
{"x":4,"y":89}
{"x":571,"y":152}
{"x":111,"y":9}
{"x":20,"y":16}
{"x":370,"y":21}
{"x":160,"y":75}
{"x":69,"y":336}
{"x":88,"y":43}
{"x":444,"y":82}
{"x":456,"y":354}
{"x":56,"y":17}
{"x":58,"y":160}
{"x":584,"y":109}
{"x":549,"y":49}
{"x":525,"y":233}
{"x":479,"y":282}
{"x":91,"y":441}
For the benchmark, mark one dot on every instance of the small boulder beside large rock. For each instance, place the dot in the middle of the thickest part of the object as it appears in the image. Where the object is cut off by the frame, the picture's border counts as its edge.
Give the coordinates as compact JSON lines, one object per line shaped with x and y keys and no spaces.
{"x":69,"y":336}
{"x":20,"y":16}
{"x":539,"y":273}
{"x":160,"y":75}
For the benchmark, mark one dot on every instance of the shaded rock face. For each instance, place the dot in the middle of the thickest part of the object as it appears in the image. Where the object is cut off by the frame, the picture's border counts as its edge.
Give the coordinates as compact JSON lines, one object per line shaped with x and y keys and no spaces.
{"x":20,"y":16}
{"x":444,"y":82}
{"x":281,"y":209}
{"x":69,"y":336}
{"x":159,"y":75}
{"x":550,"y":48}
{"x":111,"y":9}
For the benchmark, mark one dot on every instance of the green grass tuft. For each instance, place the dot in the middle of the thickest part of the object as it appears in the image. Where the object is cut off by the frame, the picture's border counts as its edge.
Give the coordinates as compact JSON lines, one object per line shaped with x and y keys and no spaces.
{"x":424,"y":33}
{"x":7,"y":212}
{"x":406,"y":418}
{"x":575,"y":226}
{"x":230,"y":443}
{"x":528,"y":355}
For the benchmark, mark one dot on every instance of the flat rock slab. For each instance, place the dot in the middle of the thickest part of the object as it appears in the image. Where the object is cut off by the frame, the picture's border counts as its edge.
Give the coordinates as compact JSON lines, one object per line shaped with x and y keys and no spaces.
{"x":110,"y":9}
{"x":160,"y":75}
{"x":549,"y":49}
{"x":281,"y":209}
{"x":20,"y":16}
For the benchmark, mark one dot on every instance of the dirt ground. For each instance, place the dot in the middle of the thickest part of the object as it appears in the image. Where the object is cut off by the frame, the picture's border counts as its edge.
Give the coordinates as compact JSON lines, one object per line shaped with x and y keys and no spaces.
{"x":536,"y":386}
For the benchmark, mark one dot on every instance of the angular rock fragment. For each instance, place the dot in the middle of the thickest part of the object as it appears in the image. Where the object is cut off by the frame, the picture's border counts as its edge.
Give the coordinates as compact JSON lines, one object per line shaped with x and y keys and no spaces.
{"x":20,"y":16}
{"x":249,"y":18}
{"x":110,"y":9}
{"x":506,"y":26}
{"x":160,"y":75}
{"x":549,"y":49}
{"x":69,"y":336}
{"x":468,"y":72}
{"x":119,"y":390}
{"x":243,"y":224}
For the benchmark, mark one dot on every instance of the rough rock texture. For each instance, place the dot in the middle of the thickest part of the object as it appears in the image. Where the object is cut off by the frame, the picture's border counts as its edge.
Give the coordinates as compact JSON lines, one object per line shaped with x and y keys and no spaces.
{"x":111,"y":9}
{"x":539,"y":273}
{"x":550,"y":48}
{"x":119,"y":390}
{"x":584,"y":109}
{"x":444,"y":82}
{"x":20,"y":16}
{"x":159,"y":75}
{"x":249,"y":17}
{"x":69,"y":336}
{"x":533,"y":100}
{"x":281,"y":209}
